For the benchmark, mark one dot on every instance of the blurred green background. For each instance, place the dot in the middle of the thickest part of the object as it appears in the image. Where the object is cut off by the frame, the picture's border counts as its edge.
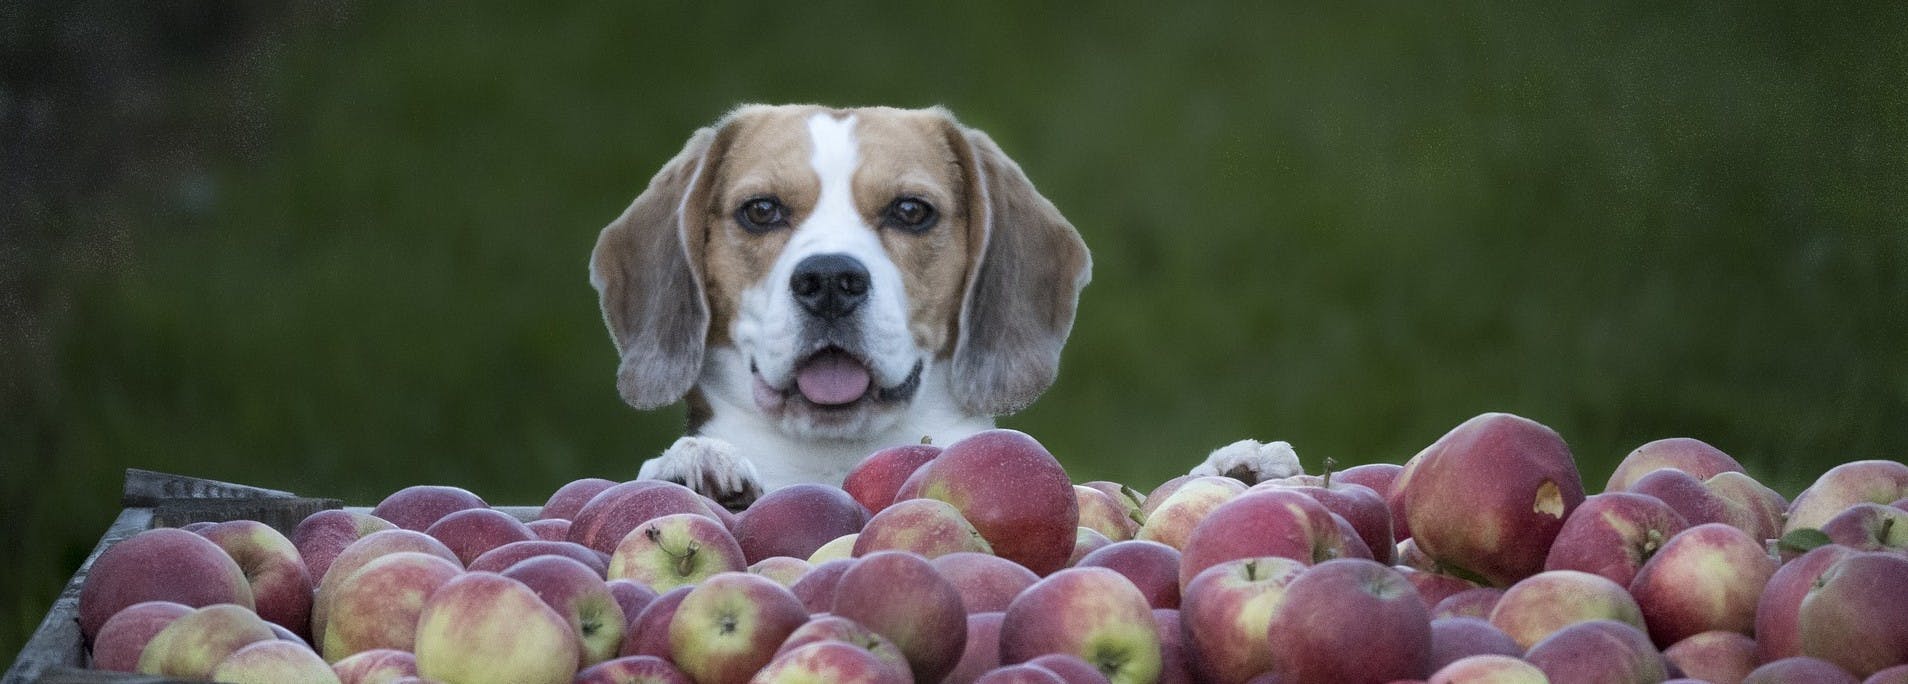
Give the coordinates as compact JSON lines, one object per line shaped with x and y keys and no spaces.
{"x":339,"y":249}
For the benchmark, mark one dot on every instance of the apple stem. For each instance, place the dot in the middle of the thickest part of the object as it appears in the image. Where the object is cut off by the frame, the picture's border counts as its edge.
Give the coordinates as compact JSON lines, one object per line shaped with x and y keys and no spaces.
{"x":682,"y":561}
{"x":927,"y":439}
{"x":1330,"y":463}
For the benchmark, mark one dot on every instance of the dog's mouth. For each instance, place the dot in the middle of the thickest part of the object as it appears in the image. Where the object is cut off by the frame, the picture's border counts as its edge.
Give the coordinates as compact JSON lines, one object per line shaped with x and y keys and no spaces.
{"x":834,"y":378}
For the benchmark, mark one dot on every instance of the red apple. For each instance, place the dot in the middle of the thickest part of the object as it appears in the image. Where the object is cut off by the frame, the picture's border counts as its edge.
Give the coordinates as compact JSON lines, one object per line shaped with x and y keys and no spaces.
{"x":640,"y":669}
{"x":320,"y":536}
{"x":1011,"y":489}
{"x":676,"y":549}
{"x":729,"y":626}
{"x":784,"y":570}
{"x":1433,"y":588}
{"x":161,"y":564}
{"x":929,"y":527}
{"x":360,"y":553}
{"x":1778,"y":631}
{"x":900,"y":596}
{"x":1131,"y":501}
{"x":1312,"y":640}
{"x":484,"y":627}
{"x":117,"y":645}
{"x":1180,"y":509}
{"x":874,"y":481}
{"x":1488,"y":497}
{"x":828,"y":662}
{"x":1874,"y":481}
{"x":1174,"y":668}
{"x":1799,"y":669}
{"x":582,"y":598}
{"x":797,"y":519}
{"x":1072,"y":669}
{"x":609,"y":516}
{"x":1151,"y":566}
{"x":1598,"y":651}
{"x":1086,"y":540}
{"x":1612,"y":534}
{"x":816,"y":589}
{"x":1717,"y":656}
{"x":497,"y":559}
{"x":1489,"y":669}
{"x":1453,"y":638}
{"x":416,"y":507}
{"x":632,"y":597}
{"x":1541,"y":604}
{"x":377,"y":606}
{"x":1730,"y":498}
{"x":1270,"y":522}
{"x":648,"y":632}
{"x":1152,"y":500}
{"x":1020,"y":674}
{"x":1360,"y":506}
{"x":564,"y":503}
{"x":982,"y":650}
{"x":272,"y":662}
{"x":1853,"y":616}
{"x":1102,"y":513}
{"x":1476,"y":603}
{"x":1692,"y":456}
{"x":836,"y":549}
{"x":195,"y":643}
{"x":1705,"y":578}
{"x":1869,"y":527}
{"x":550,"y":529}
{"x":1891,"y":675}
{"x":1225,"y":612}
{"x":376,"y":666}
{"x":841,"y":629}
{"x":472,"y":531}
{"x":1094,"y":613}
{"x":985,"y":582}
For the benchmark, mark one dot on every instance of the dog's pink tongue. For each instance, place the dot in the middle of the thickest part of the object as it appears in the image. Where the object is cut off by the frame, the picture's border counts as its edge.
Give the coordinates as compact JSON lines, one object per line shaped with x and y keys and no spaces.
{"x":832,"y":379}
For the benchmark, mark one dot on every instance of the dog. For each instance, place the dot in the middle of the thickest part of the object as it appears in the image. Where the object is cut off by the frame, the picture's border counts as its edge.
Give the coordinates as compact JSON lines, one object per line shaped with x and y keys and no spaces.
{"x":820,"y":283}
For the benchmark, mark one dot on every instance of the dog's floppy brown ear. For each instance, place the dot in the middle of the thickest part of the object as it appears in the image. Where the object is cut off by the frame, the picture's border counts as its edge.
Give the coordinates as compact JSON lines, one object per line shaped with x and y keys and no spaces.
{"x":648,"y":281}
{"x":1023,"y":284}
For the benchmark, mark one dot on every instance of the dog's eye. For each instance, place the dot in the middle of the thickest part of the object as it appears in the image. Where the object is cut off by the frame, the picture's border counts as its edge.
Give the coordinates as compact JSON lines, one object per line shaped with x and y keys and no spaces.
{"x":910,"y":214}
{"x":762,"y":214}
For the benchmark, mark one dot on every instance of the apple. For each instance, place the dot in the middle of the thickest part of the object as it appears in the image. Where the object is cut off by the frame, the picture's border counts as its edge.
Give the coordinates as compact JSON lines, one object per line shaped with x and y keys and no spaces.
{"x":1874,"y":481}
{"x":1869,"y":527}
{"x":124,"y":635}
{"x":1799,"y":669}
{"x":648,"y":632}
{"x":1541,"y":604}
{"x":1268,"y":522}
{"x":1091,"y":612}
{"x":828,"y":662}
{"x":360,"y":553}
{"x":564,"y":503}
{"x":376,"y":666}
{"x":472,"y":531}
{"x":1778,"y":630}
{"x":900,"y":596}
{"x":1461,"y":637}
{"x":160,"y":564}
{"x":608,"y":517}
{"x":1131,"y":501}
{"x":416,"y":507}
{"x":485,"y":627}
{"x":1182,"y":507}
{"x":1312,"y":639}
{"x":1489,"y":669}
{"x":797,"y":519}
{"x":1152,"y":567}
{"x":497,"y":559}
{"x":1174,"y":667}
{"x":632,"y":597}
{"x":1152,"y":500}
{"x":816,"y":589}
{"x":1487,"y":498}
{"x":1434,"y":587}
{"x":982,"y":650}
{"x":874,"y":481}
{"x":549,"y":529}
{"x":1225,"y":612}
{"x":729,"y":626}
{"x":1072,"y":669}
{"x":836,"y":549}
{"x":1707,"y":577}
{"x":1731,"y":498}
{"x":582,"y":598}
{"x":1086,"y":540}
{"x":841,"y":629}
{"x":640,"y":669}
{"x":1360,"y":506}
{"x":1476,"y":603}
{"x":929,"y":527}
{"x":1889,"y":675}
{"x":1716,"y":656}
{"x":784,"y":570}
{"x":1020,"y":674}
{"x":1377,"y":476}
{"x":1012,"y":489}
{"x":1853,"y":617}
{"x":273,"y":662}
{"x":378,"y":605}
{"x":320,"y":536}
{"x":676,"y":549}
{"x":1683,"y":454}
{"x":1612,"y":534}
{"x":1102,"y":513}
{"x":198,"y":641}
{"x":1598,"y":651}
{"x":986,"y":583}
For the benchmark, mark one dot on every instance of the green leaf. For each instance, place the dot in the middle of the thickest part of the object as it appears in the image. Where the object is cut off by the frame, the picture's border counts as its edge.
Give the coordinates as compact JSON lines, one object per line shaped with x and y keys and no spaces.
{"x":1802,"y":540}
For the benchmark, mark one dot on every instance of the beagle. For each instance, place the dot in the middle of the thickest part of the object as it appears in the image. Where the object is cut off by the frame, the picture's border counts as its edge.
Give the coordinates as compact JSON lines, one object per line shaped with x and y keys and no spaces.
{"x":821,"y":283}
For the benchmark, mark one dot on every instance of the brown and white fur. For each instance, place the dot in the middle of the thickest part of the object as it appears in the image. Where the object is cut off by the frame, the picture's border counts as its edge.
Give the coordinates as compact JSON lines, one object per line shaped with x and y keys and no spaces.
{"x":843,"y":324}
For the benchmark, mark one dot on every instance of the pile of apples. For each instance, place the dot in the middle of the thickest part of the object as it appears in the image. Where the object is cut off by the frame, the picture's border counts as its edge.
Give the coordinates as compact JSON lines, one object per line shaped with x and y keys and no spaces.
{"x":1481,"y":559}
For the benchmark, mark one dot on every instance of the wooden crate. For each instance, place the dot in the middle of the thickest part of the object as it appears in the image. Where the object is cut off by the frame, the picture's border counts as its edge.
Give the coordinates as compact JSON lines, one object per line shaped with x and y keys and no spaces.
{"x":55,"y":654}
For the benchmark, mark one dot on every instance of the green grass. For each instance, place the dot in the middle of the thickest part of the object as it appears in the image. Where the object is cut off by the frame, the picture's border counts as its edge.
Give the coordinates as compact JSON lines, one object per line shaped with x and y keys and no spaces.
{"x":1348,"y":228}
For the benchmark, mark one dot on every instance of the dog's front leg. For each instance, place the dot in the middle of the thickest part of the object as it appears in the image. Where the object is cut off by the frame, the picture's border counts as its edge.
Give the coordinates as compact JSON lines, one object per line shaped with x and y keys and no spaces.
{"x":712,"y":467}
{"x":1251,"y":462}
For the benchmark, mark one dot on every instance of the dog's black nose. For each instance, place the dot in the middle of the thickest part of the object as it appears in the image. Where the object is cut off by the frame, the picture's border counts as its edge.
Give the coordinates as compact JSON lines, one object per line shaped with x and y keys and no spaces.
{"x":830,"y":285}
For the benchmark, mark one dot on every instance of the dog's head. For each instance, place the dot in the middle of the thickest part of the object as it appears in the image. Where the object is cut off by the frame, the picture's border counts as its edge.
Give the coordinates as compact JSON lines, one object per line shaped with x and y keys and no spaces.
{"x":831,"y":270}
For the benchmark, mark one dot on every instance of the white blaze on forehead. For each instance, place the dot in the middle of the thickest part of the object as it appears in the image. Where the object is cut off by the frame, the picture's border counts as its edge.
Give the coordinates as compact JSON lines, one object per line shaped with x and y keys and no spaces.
{"x":835,"y":225}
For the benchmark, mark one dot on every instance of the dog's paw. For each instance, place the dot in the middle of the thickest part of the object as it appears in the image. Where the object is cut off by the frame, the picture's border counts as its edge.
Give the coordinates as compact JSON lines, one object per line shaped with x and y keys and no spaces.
{"x":1251,"y":462}
{"x":712,"y":467}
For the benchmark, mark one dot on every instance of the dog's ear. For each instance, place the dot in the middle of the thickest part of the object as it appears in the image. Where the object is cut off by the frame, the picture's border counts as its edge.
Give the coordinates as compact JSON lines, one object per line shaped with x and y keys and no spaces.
{"x":1025,"y":273}
{"x":646,"y":269}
